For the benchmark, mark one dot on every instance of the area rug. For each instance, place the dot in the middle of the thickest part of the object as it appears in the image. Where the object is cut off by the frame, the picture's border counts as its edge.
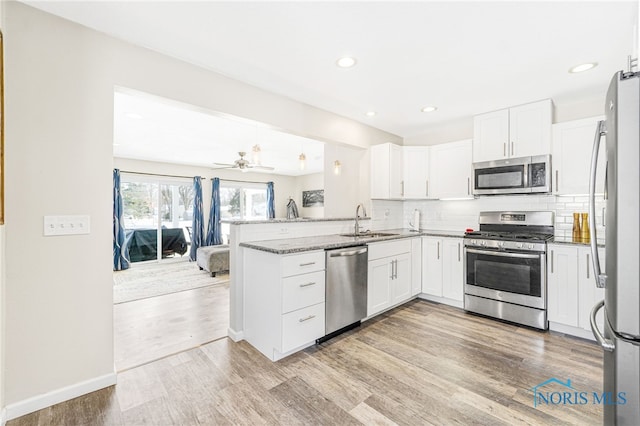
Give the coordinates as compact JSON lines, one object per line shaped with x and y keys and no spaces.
{"x":151,"y":280}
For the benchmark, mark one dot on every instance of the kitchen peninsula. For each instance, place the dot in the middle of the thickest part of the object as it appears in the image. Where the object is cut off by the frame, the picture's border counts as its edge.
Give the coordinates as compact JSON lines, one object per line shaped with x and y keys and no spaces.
{"x":281,"y":276}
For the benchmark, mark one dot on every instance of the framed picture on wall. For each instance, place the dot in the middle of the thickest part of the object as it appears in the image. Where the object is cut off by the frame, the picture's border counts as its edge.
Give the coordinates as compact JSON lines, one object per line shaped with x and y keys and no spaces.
{"x":314,"y":198}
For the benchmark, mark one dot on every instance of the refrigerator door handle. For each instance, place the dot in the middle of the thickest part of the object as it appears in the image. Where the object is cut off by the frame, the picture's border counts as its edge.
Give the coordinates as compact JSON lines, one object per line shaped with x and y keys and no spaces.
{"x":601,"y":279}
{"x":606,"y":344}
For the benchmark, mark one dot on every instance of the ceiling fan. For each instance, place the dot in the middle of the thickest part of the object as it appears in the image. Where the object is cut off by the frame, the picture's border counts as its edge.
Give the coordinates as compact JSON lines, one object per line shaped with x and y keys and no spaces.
{"x":242,"y":164}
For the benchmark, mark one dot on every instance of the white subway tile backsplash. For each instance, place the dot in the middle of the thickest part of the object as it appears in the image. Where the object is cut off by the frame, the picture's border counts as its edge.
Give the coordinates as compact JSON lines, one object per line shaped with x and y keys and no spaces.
{"x":462,"y":214}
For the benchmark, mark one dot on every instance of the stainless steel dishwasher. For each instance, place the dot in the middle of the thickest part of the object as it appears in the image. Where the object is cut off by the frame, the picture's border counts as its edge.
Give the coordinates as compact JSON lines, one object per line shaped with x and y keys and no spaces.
{"x":346,"y":289}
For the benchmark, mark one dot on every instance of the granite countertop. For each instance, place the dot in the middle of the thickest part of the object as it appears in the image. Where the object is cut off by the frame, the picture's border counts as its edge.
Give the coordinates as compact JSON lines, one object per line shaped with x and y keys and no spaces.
{"x":324,"y":242}
{"x":570,"y":241}
{"x":285,"y":220}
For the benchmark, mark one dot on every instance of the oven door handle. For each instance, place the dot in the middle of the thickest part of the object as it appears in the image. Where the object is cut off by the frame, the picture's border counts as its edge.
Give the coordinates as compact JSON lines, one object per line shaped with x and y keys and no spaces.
{"x":505,"y":254}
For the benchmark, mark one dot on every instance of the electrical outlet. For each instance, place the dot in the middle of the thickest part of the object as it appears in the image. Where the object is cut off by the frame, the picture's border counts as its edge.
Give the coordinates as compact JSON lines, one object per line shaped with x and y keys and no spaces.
{"x":66,"y":225}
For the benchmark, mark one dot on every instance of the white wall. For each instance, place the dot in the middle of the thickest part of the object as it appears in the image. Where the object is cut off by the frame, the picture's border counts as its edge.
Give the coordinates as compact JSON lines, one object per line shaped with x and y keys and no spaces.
{"x":308,"y":183}
{"x":2,"y":283}
{"x":60,"y":79}
{"x":343,"y":192}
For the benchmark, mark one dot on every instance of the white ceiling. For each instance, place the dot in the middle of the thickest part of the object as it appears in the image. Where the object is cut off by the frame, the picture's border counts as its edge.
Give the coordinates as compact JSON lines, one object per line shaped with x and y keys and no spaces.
{"x":463,"y":57}
{"x":151,"y":128}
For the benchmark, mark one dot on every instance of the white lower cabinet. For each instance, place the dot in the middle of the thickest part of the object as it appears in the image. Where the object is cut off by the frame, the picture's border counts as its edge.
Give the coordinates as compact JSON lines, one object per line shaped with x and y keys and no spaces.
{"x":284,"y":301}
{"x":389,"y":275}
{"x":442,"y":269}
{"x":298,"y":326}
{"x":562,"y":301}
{"x":572,"y":291}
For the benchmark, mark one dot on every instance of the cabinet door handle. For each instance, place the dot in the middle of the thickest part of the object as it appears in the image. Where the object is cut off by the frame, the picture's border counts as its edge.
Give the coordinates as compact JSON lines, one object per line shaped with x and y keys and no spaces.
{"x":402,"y":188}
{"x":427,"y":191}
{"x":552,"y":261}
{"x":308,"y":264}
{"x":468,"y":186}
{"x":438,"y":249}
{"x":504,"y":149}
{"x":588,"y":263}
{"x":391,"y":277}
{"x":604,"y":221}
{"x":512,"y":149}
{"x":307,"y":284}
{"x":306,"y":318}
{"x":458,"y":252}
{"x":395,"y":269}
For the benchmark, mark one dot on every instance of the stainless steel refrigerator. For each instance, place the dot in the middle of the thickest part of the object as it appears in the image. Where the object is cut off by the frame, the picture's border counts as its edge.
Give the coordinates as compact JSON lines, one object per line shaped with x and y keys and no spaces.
{"x":620,"y":277}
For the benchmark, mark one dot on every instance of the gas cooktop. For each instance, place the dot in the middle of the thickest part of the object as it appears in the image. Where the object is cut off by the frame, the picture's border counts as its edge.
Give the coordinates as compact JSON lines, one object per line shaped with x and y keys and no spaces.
{"x":509,"y":236}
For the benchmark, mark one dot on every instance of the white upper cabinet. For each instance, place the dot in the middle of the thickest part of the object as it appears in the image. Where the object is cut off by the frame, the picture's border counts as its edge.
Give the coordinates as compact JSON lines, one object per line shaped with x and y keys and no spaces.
{"x":451,"y":170}
{"x":518,"y":131}
{"x":491,"y":135}
{"x":571,"y":157}
{"x":386,"y":171}
{"x":416,"y":172}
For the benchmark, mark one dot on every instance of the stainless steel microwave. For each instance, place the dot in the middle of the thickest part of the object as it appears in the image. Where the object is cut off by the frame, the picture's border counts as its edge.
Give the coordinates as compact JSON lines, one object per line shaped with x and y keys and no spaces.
{"x":524,"y":175}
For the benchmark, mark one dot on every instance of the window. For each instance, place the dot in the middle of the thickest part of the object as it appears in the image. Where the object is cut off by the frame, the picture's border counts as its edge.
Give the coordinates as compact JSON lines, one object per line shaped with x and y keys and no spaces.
{"x":160,"y":211}
{"x":241,"y":201}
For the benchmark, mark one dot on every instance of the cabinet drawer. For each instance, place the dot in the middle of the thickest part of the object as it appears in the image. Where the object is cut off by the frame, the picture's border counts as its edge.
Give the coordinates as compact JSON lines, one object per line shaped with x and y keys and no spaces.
{"x":302,"y":326}
{"x":302,"y":263}
{"x":301,"y":291}
{"x":389,"y":248}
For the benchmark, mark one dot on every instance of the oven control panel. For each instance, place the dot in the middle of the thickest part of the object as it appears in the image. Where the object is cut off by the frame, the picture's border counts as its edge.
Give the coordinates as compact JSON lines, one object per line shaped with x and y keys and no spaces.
{"x":505,"y":245}
{"x":513,"y":217}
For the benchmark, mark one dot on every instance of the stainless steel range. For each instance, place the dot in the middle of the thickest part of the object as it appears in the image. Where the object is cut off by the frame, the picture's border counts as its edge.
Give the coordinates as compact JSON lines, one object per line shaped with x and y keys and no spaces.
{"x":505,"y":266}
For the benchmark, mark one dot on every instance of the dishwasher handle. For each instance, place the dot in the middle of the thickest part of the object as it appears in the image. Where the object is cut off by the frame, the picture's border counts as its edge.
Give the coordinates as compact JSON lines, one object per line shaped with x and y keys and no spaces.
{"x":348,"y":253}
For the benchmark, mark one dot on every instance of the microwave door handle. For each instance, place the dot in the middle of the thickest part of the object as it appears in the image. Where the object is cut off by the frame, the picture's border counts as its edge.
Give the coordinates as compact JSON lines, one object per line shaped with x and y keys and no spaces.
{"x":525,"y":172}
{"x":601,"y":279}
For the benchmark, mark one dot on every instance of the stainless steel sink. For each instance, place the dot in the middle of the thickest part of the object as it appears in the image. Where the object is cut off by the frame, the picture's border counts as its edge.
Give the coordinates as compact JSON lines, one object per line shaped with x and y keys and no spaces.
{"x":369,"y":235}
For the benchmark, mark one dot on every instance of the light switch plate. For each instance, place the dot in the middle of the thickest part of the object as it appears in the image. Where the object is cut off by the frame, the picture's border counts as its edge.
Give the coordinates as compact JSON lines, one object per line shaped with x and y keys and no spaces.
{"x":67,"y":225}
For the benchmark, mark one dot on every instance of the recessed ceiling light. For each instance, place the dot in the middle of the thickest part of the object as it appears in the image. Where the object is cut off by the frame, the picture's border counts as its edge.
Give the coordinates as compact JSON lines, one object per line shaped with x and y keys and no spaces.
{"x":134,"y":115}
{"x":370,"y":113}
{"x":583,"y":67}
{"x":346,"y":62}
{"x":429,"y":109}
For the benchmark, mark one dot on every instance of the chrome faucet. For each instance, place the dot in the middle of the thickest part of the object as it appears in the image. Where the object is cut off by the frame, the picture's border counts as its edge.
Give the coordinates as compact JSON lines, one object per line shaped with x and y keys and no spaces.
{"x":364,"y":212}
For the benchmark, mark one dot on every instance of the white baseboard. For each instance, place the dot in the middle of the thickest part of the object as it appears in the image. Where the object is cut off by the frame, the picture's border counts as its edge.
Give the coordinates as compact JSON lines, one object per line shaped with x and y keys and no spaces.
{"x":572,"y":331}
{"x":236,"y":336}
{"x":21,"y":408}
{"x":443,"y":300}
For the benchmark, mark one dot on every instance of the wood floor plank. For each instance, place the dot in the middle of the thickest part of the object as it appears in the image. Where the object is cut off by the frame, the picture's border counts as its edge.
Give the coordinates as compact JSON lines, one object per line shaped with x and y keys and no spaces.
{"x":149,"y":329}
{"x":419,"y":364}
{"x":310,"y":405}
{"x":368,"y":416}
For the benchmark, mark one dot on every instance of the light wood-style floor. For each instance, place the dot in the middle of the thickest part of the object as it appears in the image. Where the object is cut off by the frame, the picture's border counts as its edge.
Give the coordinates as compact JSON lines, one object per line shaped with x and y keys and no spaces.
{"x":422,"y":363}
{"x":149,"y":329}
